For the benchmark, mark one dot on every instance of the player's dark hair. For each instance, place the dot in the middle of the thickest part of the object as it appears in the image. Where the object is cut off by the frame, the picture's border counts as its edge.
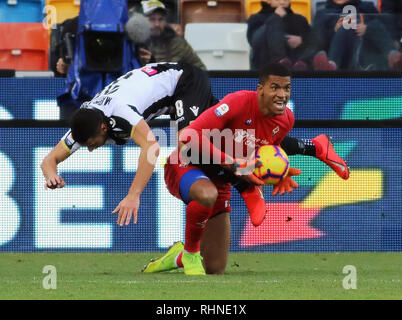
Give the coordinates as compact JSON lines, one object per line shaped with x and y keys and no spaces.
{"x":275,"y":69}
{"x":86,"y":124}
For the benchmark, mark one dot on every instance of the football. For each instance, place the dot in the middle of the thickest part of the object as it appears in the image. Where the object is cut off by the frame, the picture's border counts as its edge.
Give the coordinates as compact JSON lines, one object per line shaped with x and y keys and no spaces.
{"x":275,"y":164}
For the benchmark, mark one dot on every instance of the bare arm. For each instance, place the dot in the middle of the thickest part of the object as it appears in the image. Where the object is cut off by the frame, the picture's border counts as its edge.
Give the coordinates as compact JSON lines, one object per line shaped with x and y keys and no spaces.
{"x":49,"y":166}
{"x":143,"y":137}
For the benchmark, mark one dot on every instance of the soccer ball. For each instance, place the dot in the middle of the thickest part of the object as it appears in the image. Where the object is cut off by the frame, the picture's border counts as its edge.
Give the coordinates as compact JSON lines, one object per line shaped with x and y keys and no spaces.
{"x":275,"y":164}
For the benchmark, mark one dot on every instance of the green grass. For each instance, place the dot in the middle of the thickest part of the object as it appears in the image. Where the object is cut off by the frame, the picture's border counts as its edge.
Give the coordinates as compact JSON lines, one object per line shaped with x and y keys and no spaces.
{"x":248,"y":276}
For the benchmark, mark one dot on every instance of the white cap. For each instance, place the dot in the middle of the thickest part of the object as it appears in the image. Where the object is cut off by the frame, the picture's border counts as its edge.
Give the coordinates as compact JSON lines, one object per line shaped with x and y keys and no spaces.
{"x":151,"y":5}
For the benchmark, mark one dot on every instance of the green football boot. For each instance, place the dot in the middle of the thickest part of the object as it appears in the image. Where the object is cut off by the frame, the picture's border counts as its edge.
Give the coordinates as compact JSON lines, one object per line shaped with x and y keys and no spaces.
{"x":167,"y":262}
{"x":192,"y":263}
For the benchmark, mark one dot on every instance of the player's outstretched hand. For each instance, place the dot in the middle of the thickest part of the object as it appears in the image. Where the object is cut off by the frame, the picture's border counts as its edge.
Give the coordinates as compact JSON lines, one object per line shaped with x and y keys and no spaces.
{"x":245,"y":169}
{"x":55,"y":182}
{"x":127,"y":208}
{"x":287,"y":184}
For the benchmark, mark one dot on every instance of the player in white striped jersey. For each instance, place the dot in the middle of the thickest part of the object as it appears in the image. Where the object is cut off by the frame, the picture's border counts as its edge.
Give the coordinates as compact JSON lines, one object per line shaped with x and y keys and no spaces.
{"x":121,"y":111}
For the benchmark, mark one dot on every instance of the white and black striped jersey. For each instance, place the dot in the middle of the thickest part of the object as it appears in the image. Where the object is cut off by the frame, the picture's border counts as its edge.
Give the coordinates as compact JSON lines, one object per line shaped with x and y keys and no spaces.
{"x":147,"y":93}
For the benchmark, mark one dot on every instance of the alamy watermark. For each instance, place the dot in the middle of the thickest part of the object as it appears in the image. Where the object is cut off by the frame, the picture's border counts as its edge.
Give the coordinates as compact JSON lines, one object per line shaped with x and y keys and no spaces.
{"x":349,"y":14}
{"x":350,"y":281}
{"x":196,"y":148}
{"x":50,"y":19}
{"x":49,"y":281}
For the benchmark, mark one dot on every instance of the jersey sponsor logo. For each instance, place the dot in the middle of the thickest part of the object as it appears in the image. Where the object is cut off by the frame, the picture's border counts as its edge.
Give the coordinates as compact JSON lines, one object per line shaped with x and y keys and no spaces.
{"x":248,"y":137}
{"x":240,"y":135}
{"x":275,"y":131}
{"x":248,"y":122}
{"x":221,"y":110}
{"x":149,"y":71}
{"x":194,"y":109}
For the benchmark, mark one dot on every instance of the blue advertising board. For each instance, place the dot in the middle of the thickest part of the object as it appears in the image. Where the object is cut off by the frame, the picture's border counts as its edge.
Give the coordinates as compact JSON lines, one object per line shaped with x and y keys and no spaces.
{"x":312,"y":98}
{"x":324,"y":214}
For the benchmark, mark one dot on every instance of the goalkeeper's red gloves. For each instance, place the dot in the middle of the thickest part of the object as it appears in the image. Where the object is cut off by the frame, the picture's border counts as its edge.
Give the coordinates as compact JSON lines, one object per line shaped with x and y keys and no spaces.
{"x":244,"y":169}
{"x":287,"y":184}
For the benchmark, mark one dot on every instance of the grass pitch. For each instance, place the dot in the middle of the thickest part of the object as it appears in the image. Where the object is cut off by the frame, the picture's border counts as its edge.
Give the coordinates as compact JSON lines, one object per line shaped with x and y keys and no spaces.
{"x":248,"y":276}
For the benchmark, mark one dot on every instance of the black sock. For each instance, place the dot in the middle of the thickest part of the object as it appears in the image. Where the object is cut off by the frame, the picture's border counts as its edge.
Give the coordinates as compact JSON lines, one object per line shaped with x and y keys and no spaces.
{"x":240,"y":185}
{"x":294,"y":146}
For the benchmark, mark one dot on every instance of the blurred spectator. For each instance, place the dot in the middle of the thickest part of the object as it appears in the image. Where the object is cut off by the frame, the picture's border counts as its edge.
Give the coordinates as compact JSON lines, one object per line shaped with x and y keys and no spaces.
{"x":171,"y":7}
{"x":368,"y":46}
{"x":165,"y":44}
{"x":275,"y":34}
{"x":393,"y":11}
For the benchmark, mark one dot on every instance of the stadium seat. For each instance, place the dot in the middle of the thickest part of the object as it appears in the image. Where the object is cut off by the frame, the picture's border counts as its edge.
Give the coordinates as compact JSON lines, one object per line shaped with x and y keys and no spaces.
{"x":220,"y":46}
{"x":21,"y":11}
{"x":252,"y":7}
{"x":24,"y":46}
{"x":192,"y":11}
{"x":65,"y":9}
{"x":302,"y":7}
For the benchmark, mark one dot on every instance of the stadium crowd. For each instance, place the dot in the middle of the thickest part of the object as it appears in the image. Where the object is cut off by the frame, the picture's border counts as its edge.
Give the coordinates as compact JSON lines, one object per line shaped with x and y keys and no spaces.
{"x":320,"y":35}
{"x":324,"y":35}
{"x":344,"y":35}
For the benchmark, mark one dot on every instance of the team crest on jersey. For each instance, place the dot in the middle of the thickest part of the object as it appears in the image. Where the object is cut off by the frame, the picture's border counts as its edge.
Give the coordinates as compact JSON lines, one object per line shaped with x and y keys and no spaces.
{"x":221,"y":110}
{"x":275,"y":131}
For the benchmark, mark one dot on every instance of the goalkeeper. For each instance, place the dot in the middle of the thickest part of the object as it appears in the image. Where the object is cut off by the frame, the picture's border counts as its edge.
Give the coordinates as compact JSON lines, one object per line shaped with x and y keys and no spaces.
{"x":206,"y":190}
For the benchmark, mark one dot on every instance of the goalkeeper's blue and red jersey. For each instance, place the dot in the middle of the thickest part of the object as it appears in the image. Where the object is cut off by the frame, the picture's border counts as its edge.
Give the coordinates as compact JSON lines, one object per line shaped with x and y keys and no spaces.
{"x":239,"y":113}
